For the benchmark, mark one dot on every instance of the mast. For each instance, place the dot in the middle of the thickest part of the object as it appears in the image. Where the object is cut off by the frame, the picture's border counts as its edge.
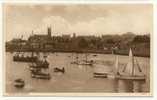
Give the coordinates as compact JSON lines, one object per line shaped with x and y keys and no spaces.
{"x":116,"y":65}
{"x":86,"y":57}
{"x":32,"y":47}
{"x":132,"y":61}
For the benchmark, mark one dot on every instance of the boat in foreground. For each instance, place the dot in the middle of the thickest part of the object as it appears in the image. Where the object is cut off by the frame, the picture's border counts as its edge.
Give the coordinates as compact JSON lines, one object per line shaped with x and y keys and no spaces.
{"x":138,"y":78}
{"x":19,"y":83}
{"x":40,"y":69}
{"x":130,"y":72}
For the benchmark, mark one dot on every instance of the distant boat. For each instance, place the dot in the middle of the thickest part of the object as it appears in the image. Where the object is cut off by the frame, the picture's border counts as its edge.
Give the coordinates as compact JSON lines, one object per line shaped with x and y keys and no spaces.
{"x":40,"y":75}
{"x":130,"y":72}
{"x":83,"y":62}
{"x":95,"y":55}
{"x":101,"y":71}
{"x":22,"y":58}
{"x":19,"y":83}
{"x":100,"y":75}
{"x":19,"y":56}
{"x":59,"y":70}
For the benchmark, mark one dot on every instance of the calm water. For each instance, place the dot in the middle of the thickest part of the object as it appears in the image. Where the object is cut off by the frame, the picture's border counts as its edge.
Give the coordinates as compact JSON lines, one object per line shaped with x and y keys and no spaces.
{"x":76,"y":78}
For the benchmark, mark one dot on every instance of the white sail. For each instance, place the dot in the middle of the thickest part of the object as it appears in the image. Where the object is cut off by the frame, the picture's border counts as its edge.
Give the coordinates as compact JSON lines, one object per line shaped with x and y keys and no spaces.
{"x":130,"y":66}
{"x":116,"y":65}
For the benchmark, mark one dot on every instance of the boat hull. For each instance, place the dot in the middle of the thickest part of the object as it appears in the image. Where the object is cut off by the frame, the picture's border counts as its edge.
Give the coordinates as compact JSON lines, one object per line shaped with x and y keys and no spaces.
{"x":19,"y":83}
{"x":41,"y":76}
{"x":25,"y":59}
{"x":100,"y":75}
{"x":134,"y":78}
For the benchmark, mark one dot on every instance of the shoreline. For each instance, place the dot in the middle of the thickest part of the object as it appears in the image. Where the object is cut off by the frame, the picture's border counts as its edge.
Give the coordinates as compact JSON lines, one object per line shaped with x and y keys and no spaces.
{"x":83,"y":51}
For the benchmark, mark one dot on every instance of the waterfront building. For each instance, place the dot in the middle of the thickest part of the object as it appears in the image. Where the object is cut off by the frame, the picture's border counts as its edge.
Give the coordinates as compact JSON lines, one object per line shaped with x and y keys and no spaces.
{"x":41,"y":42}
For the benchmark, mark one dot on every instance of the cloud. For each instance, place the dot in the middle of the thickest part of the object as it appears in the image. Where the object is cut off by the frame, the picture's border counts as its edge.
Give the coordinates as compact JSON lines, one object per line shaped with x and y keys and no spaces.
{"x":79,"y":19}
{"x":58,"y":24}
{"x":115,"y":24}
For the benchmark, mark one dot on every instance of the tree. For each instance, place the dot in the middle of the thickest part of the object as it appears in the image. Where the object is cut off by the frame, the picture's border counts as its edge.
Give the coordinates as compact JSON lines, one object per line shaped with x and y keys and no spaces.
{"x":141,"y":39}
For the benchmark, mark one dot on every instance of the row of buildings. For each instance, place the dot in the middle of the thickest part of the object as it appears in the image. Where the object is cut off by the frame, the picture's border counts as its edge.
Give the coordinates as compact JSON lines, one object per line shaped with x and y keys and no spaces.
{"x":40,"y":42}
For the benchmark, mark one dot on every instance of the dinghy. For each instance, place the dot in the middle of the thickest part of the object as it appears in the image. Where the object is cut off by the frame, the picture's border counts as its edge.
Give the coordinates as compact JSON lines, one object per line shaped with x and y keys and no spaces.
{"x":19,"y":83}
{"x":101,"y":71}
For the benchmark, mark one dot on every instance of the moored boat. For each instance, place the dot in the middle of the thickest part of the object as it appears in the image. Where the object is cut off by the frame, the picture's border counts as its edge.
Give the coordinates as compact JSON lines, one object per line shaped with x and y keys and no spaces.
{"x":100,"y":75}
{"x":24,"y":59}
{"x":101,"y":71}
{"x":40,"y":75}
{"x":40,"y":69}
{"x":19,"y":83}
{"x":62,"y":70}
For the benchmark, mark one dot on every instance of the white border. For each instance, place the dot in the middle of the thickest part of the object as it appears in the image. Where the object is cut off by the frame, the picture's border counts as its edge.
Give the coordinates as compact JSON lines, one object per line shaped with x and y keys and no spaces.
{"x":154,"y":37}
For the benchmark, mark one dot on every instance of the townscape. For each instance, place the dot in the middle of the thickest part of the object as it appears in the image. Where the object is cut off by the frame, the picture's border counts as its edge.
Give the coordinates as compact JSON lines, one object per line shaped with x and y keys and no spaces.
{"x":39,"y":66}
{"x":106,"y":44}
{"x":79,"y":48}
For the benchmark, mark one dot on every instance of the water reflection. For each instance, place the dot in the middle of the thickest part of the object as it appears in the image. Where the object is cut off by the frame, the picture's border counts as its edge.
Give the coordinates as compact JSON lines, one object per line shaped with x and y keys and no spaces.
{"x":129,"y":86}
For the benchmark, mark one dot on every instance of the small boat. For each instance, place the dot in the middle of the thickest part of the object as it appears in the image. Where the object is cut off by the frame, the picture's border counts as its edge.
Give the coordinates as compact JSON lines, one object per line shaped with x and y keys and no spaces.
{"x":59,"y":70}
{"x":19,"y":83}
{"x":100,"y":75}
{"x":74,"y":62}
{"x":83,"y":62}
{"x":95,"y":55}
{"x":136,"y":78}
{"x":101,"y":71}
{"x":40,"y":64}
{"x":89,"y":63}
{"x":130,"y":72}
{"x":40,"y":75}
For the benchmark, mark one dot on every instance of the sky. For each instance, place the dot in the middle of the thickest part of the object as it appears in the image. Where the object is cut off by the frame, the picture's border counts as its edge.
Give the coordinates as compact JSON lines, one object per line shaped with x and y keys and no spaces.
{"x":82,"y":19}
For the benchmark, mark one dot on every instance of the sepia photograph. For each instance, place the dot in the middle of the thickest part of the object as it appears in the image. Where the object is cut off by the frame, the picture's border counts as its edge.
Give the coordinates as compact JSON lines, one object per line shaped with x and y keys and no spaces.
{"x":58,"y":49}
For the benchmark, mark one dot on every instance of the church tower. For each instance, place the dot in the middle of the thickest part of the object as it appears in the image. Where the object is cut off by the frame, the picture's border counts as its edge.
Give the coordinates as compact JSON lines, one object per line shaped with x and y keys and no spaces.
{"x":49,"y":31}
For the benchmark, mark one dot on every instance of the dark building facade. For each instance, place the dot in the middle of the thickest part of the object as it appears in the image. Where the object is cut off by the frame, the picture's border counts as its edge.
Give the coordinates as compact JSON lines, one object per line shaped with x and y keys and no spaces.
{"x":41,"y":42}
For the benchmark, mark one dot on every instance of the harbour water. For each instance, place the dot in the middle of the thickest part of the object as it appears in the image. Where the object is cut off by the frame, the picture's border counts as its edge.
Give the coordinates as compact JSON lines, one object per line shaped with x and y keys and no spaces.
{"x":77,"y":78}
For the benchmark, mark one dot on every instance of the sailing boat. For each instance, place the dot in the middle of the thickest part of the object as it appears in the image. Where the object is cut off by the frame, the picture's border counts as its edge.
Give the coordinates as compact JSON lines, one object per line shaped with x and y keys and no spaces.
{"x":83,"y":62}
{"x":130,"y":72}
{"x":40,"y":68}
{"x":86,"y":61}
